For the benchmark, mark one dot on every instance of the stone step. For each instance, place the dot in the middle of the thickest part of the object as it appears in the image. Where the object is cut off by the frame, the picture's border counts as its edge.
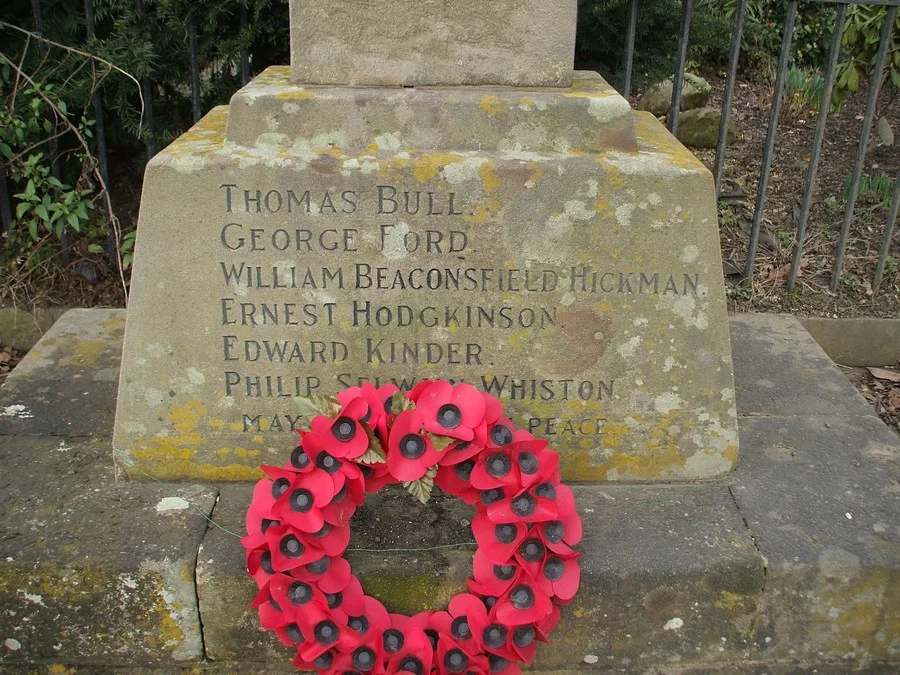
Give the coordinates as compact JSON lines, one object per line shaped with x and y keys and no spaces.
{"x":795,"y":562}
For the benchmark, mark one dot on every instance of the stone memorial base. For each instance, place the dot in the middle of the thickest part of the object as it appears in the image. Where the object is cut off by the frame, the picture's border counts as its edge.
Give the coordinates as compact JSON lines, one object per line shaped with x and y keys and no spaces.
{"x":547,"y":245}
{"x":794,"y":565}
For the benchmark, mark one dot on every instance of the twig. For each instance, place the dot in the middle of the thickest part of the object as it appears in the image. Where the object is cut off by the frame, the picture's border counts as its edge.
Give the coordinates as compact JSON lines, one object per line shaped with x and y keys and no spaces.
{"x":87,"y":55}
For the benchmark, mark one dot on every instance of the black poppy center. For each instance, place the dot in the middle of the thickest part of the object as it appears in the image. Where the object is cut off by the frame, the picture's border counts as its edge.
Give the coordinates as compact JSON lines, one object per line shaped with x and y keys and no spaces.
{"x":301,"y":500}
{"x":524,"y":636}
{"x":300,"y":593}
{"x":528,"y":463}
{"x":274,"y":604}
{"x":291,"y":547}
{"x":504,"y":572}
{"x":327,"y":463}
{"x":532,"y":550}
{"x":494,"y":636}
{"x":343,"y":429}
{"x":506,"y":533}
{"x":319,"y":566}
{"x":432,"y":636}
{"x":393,"y":640}
{"x":367,"y":416}
{"x":363,"y":659}
{"x":449,"y":416}
{"x":411,"y":664}
{"x":326,"y":632}
{"x":456,"y":661}
{"x":279,"y":487}
{"x":460,"y":628}
{"x":359,"y":623}
{"x":266,"y":524}
{"x":490,"y":600}
{"x":501,"y":434}
{"x":546,"y":490}
{"x":324,"y":532}
{"x":498,"y":663}
{"x":464,"y":470}
{"x":335,"y":600}
{"x":524,"y":505}
{"x":554,"y":569}
{"x":340,"y":496}
{"x":265,"y":561}
{"x":498,"y":465}
{"x":522,"y":597}
{"x":293,"y":632}
{"x":412,"y":446}
{"x":488,"y":497}
{"x":299,"y":458}
{"x":554,"y":531}
{"x":324,"y":661}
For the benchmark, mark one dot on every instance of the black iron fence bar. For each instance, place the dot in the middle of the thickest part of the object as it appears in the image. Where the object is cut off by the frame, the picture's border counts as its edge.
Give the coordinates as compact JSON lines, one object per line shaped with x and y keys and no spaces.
{"x":630,"y":32}
{"x":722,"y":142}
{"x":147,"y":95}
{"x":883,"y":3}
{"x":195,"y":68}
{"x":874,"y":89}
{"x":824,"y":105}
{"x":678,"y":82}
{"x":888,"y":235}
{"x":245,"y":51}
{"x":100,"y":138}
{"x":5,"y":206}
{"x":775,"y":111}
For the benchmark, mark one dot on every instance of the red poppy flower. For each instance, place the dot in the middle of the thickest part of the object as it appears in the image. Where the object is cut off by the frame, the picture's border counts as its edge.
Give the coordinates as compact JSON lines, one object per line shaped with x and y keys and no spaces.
{"x":410,"y":452}
{"x":343,"y":436}
{"x":345,"y":501}
{"x":498,"y":540}
{"x":525,"y":602}
{"x":502,"y":432}
{"x":561,"y":534}
{"x":524,"y":506}
{"x":361,"y":649}
{"x":347,"y":601}
{"x":300,"y":459}
{"x":323,"y":629}
{"x":410,"y":650}
{"x":535,"y":462}
{"x":376,"y":476}
{"x":453,"y":657}
{"x":464,"y":450}
{"x":495,"y":469}
{"x":560,"y":577}
{"x":271,"y":612}
{"x":328,"y":574}
{"x":378,"y":402}
{"x":289,"y":548}
{"x":449,"y":410}
{"x":301,"y":502}
{"x":492,"y":579}
{"x":455,"y":480}
{"x":468,"y":619}
{"x":259,"y":565}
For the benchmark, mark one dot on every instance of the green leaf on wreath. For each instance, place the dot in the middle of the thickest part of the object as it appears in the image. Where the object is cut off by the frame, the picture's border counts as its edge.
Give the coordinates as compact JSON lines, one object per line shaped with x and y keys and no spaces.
{"x":375,"y":453}
{"x":441,"y":443}
{"x":421,"y":489}
{"x":311,"y":406}
{"x":399,"y":404}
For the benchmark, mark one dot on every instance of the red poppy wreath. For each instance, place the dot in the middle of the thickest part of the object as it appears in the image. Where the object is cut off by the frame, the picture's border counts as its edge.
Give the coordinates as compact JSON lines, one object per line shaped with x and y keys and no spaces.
{"x":454,"y":437}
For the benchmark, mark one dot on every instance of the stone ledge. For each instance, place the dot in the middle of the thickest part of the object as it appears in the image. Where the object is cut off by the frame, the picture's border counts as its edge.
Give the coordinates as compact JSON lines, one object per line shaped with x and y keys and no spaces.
{"x":589,"y":116}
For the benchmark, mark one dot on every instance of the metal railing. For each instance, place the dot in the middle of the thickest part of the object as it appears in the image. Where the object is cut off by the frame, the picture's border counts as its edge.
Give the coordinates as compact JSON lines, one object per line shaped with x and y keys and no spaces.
{"x":626,"y":86}
{"x":772,"y":129}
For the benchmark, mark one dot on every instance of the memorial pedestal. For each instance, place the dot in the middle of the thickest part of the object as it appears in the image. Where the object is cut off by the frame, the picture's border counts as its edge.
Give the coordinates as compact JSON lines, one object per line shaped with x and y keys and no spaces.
{"x":547,"y":245}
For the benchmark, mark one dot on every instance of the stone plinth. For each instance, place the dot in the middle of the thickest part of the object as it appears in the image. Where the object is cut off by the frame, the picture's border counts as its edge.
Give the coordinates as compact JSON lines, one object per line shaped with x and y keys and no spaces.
{"x":577,"y":279}
{"x":433,"y":42}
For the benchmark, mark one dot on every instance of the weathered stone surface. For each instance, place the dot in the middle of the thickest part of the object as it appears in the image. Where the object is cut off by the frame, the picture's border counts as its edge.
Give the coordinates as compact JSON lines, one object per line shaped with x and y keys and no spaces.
{"x":21,"y":329}
{"x":820,"y":496}
{"x":658,"y":98}
{"x":584,"y":288}
{"x":655,"y":555}
{"x":699,"y":128}
{"x":92,"y":571}
{"x":433,"y":42}
{"x":66,"y":385}
{"x":273,"y":114}
{"x":858,"y":341}
{"x":769,"y":376}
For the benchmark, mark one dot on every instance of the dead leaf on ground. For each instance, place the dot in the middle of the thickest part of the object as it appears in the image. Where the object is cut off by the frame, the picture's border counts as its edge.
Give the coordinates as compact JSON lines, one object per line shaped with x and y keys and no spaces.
{"x":884,"y":374}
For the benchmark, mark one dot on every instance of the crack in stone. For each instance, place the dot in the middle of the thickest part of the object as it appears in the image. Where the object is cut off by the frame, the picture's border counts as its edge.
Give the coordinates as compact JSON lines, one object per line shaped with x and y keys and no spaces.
{"x":754,"y":645}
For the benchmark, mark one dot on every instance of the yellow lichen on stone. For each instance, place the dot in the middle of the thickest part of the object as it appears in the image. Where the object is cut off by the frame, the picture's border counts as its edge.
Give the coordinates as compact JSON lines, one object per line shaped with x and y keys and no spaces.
{"x":85,"y":353}
{"x":295,"y":94}
{"x":491,"y":105}
{"x":427,"y":166}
